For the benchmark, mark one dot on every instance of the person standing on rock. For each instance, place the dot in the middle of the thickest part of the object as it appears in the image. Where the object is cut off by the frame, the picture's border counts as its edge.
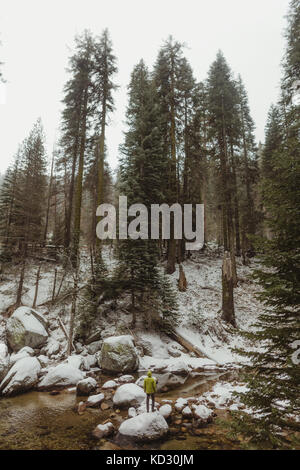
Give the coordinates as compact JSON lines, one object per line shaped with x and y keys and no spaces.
{"x":150,"y":390}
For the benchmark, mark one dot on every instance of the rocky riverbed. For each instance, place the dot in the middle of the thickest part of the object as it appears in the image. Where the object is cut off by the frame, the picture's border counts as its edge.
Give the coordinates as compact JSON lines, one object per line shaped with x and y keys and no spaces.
{"x":55,"y":419}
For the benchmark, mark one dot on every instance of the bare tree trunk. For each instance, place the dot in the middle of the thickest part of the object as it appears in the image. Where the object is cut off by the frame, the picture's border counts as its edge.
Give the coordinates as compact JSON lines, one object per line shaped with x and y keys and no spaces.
{"x":227,"y":290}
{"x":36,"y":287}
{"x":54,"y":285}
{"x":21,"y":282}
{"x":49,"y":198}
{"x":73,"y":314}
{"x":182,"y":284}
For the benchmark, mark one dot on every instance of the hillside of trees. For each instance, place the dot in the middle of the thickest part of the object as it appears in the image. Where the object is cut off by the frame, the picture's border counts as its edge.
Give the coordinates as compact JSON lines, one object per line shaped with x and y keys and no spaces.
{"x":186,"y":142}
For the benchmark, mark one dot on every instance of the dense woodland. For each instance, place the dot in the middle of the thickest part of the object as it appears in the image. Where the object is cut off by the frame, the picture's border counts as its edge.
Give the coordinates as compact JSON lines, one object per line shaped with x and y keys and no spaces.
{"x":185,"y":142}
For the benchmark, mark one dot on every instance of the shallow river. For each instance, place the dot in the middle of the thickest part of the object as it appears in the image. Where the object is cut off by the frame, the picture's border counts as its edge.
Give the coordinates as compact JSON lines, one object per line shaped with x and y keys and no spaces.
{"x":38,"y":420}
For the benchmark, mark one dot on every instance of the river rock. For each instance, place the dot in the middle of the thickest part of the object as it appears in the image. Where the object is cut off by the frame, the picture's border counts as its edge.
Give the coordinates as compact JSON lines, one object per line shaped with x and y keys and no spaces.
{"x":86,"y":386}
{"x":103,"y":430}
{"x":118,"y":354}
{"x":95,"y":400}
{"x":21,"y":377}
{"x":144,"y":427}
{"x":165,"y":410}
{"x":126,"y":379}
{"x":180,"y":404}
{"x":203,"y":413}
{"x":24,"y":329}
{"x":187,"y":412}
{"x":129,"y":395}
{"x":110,"y":384}
{"x":62,"y":375}
{"x":4,"y":360}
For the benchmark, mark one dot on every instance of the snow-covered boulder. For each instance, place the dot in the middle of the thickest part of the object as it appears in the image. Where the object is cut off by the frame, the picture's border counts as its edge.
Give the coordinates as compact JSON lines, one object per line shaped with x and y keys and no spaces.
{"x":110,"y":384}
{"x":86,"y":386}
{"x":103,"y":430}
{"x":131,"y":412}
{"x":180,"y":404}
{"x":62,"y":375}
{"x":44,"y":360}
{"x":75,"y":361}
{"x":89,"y":361}
{"x":4,"y":360}
{"x":129,"y":395}
{"x":95,"y":400}
{"x":179,"y":368}
{"x":165,"y":410}
{"x":21,"y":377}
{"x":24,"y":352}
{"x":52,"y":347}
{"x":118,"y":354}
{"x":187,"y":412}
{"x":24,"y":329}
{"x":202,"y":412}
{"x":126,"y":379}
{"x":144,"y":427}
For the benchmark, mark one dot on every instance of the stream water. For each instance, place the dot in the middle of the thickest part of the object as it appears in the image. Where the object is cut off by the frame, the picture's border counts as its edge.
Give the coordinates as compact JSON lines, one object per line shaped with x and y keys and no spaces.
{"x":41,"y":421}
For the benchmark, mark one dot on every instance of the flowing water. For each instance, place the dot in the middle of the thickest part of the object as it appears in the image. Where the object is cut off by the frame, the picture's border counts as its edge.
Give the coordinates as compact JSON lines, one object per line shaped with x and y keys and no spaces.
{"x":41,"y":421}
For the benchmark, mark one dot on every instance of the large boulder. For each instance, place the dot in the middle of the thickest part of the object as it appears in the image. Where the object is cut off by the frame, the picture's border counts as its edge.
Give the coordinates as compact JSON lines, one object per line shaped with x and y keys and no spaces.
{"x":24,"y":329}
{"x":118,"y":354}
{"x":144,"y":427}
{"x":22,"y":376}
{"x":24,"y":352}
{"x":4,"y":360}
{"x":129,"y":395}
{"x":62,"y":375}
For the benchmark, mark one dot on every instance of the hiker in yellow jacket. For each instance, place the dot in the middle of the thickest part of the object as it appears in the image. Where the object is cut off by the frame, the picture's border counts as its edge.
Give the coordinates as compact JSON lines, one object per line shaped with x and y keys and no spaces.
{"x":150,"y":389}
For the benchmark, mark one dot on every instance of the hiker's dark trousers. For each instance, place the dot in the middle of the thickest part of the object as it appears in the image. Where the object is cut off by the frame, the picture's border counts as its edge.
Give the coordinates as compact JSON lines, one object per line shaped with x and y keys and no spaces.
{"x":148,"y":400}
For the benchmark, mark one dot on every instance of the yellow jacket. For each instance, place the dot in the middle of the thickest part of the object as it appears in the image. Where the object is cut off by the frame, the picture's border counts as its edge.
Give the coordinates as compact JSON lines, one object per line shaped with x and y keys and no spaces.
{"x":149,"y":384}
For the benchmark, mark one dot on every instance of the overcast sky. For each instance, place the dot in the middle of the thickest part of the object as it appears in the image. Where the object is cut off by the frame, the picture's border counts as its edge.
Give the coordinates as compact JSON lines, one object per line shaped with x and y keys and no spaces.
{"x":38,"y":35}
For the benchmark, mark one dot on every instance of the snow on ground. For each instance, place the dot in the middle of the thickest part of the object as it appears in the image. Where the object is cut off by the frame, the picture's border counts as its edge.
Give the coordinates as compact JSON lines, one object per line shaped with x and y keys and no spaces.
{"x":200,"y":308}
{"x":222,"y":396}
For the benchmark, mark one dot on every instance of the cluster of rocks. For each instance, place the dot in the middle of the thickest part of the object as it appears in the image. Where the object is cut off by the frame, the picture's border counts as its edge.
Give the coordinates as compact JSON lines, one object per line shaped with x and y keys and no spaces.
{"x":34,"y":362}
{"x":124,"y":393}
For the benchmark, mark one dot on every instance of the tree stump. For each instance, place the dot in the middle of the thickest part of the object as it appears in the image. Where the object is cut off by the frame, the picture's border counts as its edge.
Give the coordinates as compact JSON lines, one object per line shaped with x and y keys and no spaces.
{"x":182,"y":284}
{"x":227,"y":290}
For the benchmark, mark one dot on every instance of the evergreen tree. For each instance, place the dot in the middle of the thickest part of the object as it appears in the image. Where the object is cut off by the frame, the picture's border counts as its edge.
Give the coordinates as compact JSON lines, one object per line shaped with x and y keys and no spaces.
{"x":223,"y":133}
{"x":142,"y":172}
{"x":170,"y":74}
{"x":273,"y":378}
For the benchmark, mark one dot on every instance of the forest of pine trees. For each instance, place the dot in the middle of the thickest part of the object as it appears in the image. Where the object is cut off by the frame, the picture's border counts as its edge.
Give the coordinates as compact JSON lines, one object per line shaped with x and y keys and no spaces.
{"x":186,"y":142}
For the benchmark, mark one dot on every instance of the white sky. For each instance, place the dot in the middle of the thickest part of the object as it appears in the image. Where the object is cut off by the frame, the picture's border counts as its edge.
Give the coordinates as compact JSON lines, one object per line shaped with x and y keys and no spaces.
{"x":37,"y":35}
